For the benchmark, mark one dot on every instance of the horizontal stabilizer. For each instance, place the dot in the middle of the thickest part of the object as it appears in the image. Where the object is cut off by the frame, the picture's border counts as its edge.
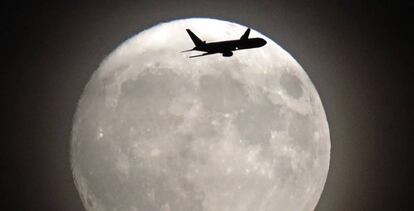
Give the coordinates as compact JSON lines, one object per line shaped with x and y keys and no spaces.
{"x":187,"y":50}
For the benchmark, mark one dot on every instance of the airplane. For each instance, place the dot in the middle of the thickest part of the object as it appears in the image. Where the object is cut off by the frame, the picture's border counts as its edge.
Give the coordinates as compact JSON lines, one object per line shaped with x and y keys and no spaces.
{"x":226,"y":48}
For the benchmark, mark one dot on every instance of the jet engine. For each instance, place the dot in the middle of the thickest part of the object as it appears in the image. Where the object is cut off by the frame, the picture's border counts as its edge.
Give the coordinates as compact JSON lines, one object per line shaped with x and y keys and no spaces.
{"x":228,"y":54}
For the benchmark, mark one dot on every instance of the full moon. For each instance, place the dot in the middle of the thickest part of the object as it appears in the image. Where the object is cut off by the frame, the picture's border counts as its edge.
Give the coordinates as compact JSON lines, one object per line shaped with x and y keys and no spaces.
{"x":155,"y":130}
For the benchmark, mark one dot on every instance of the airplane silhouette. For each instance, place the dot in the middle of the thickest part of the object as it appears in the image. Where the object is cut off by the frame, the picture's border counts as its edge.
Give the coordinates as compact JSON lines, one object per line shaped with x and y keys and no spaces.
{"x":226,"y":48}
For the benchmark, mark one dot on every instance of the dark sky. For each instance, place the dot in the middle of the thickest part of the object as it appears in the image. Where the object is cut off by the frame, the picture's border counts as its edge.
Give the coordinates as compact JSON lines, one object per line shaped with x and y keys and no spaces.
{"x":357,"y":53}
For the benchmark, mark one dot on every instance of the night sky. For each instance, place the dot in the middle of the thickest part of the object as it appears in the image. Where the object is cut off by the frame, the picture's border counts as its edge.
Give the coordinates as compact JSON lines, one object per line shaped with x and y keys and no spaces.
{"x":359,"y":56}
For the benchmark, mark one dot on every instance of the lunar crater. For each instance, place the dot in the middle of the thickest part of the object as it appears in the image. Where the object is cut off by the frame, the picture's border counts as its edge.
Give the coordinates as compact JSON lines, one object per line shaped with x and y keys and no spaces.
{"x":292,"y":85}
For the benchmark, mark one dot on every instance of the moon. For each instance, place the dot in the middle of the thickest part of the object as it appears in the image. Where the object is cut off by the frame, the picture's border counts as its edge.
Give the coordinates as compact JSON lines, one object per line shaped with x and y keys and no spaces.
{"x":157,"y":131}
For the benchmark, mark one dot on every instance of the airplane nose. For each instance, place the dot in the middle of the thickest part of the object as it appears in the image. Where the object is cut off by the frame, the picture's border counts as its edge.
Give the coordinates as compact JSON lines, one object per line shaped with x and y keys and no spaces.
{"x":263,"y":42}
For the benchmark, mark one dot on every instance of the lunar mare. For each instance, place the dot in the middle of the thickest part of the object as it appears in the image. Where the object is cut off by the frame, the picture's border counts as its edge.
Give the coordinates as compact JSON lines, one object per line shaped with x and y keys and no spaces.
{"x":156,"y":131}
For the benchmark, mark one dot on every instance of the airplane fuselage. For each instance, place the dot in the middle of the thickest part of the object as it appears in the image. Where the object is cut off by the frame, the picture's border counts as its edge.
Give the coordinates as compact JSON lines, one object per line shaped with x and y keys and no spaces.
{"x":231,"y":45}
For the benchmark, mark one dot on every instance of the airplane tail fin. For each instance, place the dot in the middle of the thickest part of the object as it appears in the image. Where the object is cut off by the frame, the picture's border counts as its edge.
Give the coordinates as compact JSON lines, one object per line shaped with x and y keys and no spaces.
{"x":245,"y":36}
{"x":196,"y":40}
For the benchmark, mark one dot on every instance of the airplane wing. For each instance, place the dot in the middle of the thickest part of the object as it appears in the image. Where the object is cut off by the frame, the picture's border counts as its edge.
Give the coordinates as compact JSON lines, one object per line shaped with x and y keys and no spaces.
{"x":245,"y":36}
{"x":204,"y":54}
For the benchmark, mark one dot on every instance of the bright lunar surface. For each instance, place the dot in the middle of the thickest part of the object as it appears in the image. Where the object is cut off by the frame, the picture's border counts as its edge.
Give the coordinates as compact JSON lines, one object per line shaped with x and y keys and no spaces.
{"x":157,"y":131}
